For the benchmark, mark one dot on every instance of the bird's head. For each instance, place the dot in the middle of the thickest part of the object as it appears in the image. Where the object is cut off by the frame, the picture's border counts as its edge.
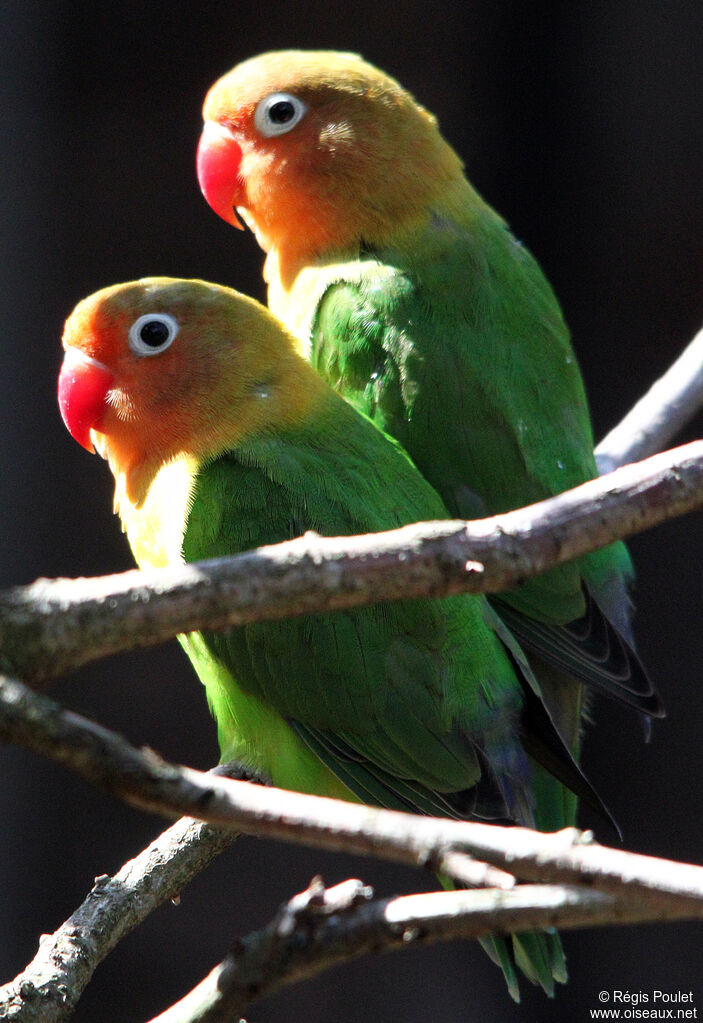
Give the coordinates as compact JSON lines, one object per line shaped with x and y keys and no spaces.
{"x":319,"y":151}
{"x":161,"y":367}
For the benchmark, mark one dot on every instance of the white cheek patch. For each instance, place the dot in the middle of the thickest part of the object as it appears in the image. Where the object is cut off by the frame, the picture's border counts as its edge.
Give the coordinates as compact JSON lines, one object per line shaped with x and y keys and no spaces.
{"x":337,"y":134}
{"x":122,"y":404}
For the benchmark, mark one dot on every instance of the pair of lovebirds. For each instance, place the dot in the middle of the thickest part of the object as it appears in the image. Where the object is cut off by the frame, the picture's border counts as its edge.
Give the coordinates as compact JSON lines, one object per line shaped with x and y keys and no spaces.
{"x":411,"y":313}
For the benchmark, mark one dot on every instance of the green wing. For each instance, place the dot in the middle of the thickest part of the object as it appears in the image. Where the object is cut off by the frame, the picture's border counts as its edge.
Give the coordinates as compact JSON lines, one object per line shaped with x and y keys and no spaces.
{"x":461,"y":353}
{"x":421,"y":693}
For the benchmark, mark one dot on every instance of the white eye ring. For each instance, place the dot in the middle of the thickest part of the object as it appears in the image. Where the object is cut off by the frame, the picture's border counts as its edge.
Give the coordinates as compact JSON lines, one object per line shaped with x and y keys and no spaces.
{"x":278,"y":113}
{"x":155,"y":340}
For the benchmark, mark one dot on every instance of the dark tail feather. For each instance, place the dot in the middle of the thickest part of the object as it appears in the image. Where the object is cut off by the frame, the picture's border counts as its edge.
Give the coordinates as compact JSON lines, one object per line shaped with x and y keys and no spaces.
{"x":542,"y":741}
{"x":593,"y":650}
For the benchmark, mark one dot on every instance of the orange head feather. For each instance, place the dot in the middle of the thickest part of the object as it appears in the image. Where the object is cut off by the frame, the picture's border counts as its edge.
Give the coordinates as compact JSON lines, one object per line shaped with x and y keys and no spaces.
{"x":161,"y":367}
{"x":321,"y":151}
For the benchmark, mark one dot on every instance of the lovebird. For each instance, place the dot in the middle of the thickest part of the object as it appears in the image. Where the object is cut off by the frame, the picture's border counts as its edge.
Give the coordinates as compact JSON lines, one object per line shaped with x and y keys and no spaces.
{"x":411,"y":297}
{"x":221,"y":437}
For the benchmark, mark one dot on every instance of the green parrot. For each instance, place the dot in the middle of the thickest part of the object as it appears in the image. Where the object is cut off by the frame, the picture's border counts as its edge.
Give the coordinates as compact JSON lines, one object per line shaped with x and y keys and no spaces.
{"x":221,"y":437}
{"x":410,"y":296}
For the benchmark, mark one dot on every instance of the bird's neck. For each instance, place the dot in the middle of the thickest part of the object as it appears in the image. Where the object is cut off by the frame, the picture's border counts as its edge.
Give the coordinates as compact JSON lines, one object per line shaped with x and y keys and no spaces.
{"x":341,"y":237}
{"x":153,"y":504}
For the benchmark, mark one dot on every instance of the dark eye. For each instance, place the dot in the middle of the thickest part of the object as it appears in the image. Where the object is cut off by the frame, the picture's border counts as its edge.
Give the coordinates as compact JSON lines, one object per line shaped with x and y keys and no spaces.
{"x":278,"y":113}
{"x":152,"y":333}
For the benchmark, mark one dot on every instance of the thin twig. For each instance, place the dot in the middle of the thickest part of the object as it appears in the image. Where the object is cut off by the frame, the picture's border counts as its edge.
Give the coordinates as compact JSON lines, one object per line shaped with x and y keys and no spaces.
{"x":141,"y":778}
{"x":49,"y":988}
{"x":657,"y":417}
{"x":55,"y":625}
{"x":322,"y":928}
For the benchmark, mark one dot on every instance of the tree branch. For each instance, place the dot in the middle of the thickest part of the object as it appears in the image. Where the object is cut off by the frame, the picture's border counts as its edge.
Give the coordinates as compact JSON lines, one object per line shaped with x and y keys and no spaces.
{"x":56,"y":625}
{"x":322,"y":927}
{"x":657,"y":417}
{"x":143,"y":779}
{"x":48,"y":990}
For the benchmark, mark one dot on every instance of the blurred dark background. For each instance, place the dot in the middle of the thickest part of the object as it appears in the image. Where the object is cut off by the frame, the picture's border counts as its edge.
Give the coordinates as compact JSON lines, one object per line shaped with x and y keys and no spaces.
{"x":582,"y":125}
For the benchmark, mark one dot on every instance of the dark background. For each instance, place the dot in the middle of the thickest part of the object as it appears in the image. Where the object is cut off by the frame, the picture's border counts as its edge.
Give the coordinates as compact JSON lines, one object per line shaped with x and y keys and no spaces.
{"x":583,"y":127}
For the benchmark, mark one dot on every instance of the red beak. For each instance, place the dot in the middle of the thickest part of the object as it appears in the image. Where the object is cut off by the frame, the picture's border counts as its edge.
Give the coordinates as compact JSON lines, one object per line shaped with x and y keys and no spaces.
{"x":84,"y":384}
{"x":218,"y":162}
